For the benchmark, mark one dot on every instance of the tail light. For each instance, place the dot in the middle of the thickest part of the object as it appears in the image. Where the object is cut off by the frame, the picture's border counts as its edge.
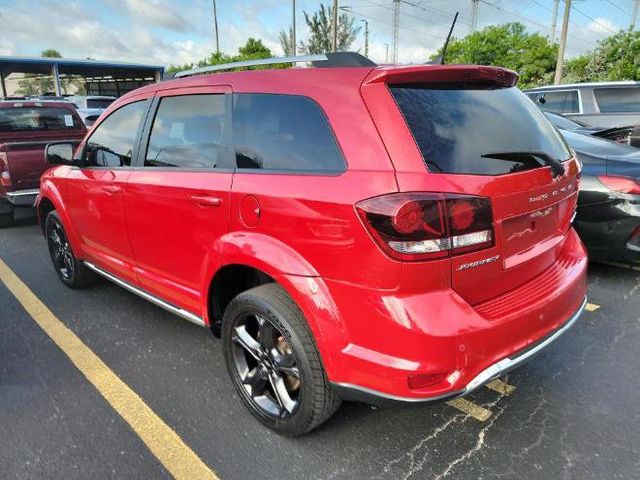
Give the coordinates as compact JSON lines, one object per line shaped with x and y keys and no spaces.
{"x":5,"y":177}
{"x":620,"y":184}
{"x":421,"y":226}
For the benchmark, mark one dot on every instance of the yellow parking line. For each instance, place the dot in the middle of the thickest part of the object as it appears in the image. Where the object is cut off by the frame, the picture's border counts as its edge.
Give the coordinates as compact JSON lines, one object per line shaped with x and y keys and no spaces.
{"x":476,"y":411}
{"x":162,"y":441}
{"x":591,"y":307}
{"x":501,"y":387}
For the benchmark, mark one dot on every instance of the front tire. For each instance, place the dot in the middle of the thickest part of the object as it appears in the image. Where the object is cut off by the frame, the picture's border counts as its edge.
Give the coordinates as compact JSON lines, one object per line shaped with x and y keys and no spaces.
{"x":273,"y":361}
{"x":70,"y":270}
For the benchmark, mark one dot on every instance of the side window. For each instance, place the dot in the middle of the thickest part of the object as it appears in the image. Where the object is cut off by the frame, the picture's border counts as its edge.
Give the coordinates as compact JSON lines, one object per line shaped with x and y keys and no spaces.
{"x":188,"y":132}
{"x":111,"y":143}
{"x":283,"y":132}
{"x":612,"y":100}
{"x":567,"y":101}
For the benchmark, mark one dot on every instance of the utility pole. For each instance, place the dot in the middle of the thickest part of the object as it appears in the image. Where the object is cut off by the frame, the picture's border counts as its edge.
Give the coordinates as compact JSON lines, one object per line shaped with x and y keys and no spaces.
{"x":634,"y":14}
{"x":563,"y":41}
{"x":334,"y":26}
{"x":396,"y":30}
{"x":215,"y":22}
{"x":366,"y":37}
{"x":386,"y":53}
{"x":554,"y":20}
{"x":293,"y":29}
{"x":474,"y":15}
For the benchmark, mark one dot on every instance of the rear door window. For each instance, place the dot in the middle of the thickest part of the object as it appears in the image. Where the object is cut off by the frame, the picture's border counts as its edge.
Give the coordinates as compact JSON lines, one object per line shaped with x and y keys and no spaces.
{"x":454,"y":128}
{"x":283,"y":132}
{"x":618,"y":100}
{"x":37,"y":119}
{"x":565,"y":101}
{"x":188,"y":132}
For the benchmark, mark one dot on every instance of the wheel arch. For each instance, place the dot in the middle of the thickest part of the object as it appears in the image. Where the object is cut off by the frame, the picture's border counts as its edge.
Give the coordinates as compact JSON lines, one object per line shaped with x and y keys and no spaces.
{"x":50,"y":199}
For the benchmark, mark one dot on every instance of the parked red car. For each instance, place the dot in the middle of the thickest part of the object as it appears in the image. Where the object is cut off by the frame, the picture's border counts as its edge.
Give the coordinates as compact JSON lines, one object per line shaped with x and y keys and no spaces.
{"x":368,"y":233}
{"x":25,"y":128}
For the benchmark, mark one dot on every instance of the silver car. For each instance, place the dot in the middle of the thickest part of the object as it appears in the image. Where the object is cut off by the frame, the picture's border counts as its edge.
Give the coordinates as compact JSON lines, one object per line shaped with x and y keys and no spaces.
{"x":600,"y":104}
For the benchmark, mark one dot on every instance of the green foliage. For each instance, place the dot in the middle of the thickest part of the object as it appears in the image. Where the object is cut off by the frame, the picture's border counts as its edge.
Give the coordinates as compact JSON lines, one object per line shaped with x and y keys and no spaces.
{"x":320,"y":40}
{"x":50,"y":53}
{"x":615,"y":58}
{"x":510,"y":46}
{"x":286,"y":41}
{"x":251,"y":50}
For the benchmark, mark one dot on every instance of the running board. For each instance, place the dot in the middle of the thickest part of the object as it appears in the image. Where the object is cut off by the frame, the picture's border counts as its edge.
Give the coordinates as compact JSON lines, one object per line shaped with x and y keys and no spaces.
{"x":147,"y":296}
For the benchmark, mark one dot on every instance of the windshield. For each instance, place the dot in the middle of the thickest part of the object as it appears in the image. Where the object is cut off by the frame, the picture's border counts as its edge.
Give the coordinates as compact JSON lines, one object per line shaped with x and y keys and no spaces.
{"x":454,"y":128}
{"x":37,"y":119}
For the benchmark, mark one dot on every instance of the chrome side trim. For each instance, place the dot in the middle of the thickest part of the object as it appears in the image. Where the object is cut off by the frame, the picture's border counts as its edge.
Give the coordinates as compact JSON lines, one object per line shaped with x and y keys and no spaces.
{"x":633,"y":248}
{"x":494,"y":371}
{"x":23,"y":197}
{"x":503,"y":366}
{"x":147,"y":296}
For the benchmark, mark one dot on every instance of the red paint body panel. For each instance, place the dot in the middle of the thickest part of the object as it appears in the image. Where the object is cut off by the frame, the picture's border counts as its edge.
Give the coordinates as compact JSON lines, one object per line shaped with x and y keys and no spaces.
{"x":375,"y":319}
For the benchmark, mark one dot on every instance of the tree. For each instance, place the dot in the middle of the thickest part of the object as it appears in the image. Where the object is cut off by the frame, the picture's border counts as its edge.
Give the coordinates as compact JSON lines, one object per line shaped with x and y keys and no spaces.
{"x":510,"y":46}
{"x":50,"y":53}
{"x":286,"y":41}
{"x":617,"y":57}
{"x":320,"y":40}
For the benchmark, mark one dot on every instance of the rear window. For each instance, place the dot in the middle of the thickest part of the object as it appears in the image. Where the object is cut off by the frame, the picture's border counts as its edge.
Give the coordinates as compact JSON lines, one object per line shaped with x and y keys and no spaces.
{"x":28,"y":119}
{"x":99,"y":103}
{"x":564,"y":101}
{"x":454,"y":128}
{"x":616,"y":100}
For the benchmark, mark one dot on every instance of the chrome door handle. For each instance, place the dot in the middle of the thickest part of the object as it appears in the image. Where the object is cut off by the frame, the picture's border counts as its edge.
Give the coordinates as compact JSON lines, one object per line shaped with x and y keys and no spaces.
{"x":207,"y":201}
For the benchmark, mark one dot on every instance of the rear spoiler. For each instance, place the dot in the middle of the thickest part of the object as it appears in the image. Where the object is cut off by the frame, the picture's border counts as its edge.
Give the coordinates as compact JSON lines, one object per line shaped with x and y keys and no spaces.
{"x":457,"y":75}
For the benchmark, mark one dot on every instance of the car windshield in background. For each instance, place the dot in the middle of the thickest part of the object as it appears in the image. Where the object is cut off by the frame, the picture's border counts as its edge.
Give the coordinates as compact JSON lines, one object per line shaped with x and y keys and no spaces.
{"x":37,"y":119}
{"x":617,"y":100}
{"x":99,"y":102}
{"x":454,"y":128}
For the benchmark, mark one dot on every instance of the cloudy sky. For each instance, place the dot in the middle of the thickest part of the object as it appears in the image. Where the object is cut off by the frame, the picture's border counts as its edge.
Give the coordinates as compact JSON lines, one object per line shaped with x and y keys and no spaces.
{"x":176,"y":32}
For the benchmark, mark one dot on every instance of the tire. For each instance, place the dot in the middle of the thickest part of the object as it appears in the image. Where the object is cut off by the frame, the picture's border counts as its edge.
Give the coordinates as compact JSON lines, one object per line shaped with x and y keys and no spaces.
{"x":70,"y":270}
{"x":283,"y":354}
{"x":6,"y":220}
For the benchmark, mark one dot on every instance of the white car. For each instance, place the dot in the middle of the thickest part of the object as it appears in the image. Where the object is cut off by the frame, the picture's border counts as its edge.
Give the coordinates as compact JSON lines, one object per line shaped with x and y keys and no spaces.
{"x":90,"y":106}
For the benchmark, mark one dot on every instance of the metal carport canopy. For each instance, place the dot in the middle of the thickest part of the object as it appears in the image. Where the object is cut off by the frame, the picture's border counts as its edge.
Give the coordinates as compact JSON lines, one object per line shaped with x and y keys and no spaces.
{"x":67,"y":66}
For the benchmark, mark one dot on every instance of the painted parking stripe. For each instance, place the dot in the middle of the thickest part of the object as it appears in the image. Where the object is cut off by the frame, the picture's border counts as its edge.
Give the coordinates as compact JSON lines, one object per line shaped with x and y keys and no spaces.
{"x":163,"y":442}
{"x":467,"y":406}
{"x":501,"y":387}
{"x":591,"y":307}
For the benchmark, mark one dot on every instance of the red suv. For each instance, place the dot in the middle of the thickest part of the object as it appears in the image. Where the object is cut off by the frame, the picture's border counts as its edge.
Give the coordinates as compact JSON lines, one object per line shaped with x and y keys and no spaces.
{"x":356,"y":232}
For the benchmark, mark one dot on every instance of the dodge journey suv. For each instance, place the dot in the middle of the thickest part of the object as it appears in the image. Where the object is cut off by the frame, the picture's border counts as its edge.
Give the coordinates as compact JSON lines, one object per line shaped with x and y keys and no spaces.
{"x":351,"y":232}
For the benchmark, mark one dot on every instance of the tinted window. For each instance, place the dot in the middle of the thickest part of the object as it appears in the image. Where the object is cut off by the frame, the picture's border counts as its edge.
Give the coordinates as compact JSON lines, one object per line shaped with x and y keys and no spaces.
{"x":98,"y":102}
{"x":111,"y":143}
{"x":558,"y":102}
{"x":187,"y":132}
{"x":283,"y":132}
{"x":454,"y":128}
{"x":618,"y":99}
{"x":21,"y":119}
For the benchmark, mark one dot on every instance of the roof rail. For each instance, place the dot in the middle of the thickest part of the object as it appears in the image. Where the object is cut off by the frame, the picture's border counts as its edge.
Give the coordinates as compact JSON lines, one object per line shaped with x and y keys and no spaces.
{"x":338,"y":59}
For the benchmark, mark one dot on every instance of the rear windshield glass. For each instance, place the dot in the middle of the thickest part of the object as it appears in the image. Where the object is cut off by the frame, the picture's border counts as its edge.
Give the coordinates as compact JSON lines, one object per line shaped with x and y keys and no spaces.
{"x":454,"y":128}
{"x":21,"y":119}
{"x":612,"y":100}
{"x":99,"y":102}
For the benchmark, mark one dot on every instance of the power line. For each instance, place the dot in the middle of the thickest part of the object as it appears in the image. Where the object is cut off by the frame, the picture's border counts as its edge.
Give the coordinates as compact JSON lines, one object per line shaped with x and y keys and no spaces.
{"x":594,"y":20}
{"x":618,"y":7}
{"x":420,"y":32}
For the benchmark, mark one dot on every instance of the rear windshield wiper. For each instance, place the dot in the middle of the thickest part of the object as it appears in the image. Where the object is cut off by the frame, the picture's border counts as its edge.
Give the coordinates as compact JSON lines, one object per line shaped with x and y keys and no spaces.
{"x":541,"y":158}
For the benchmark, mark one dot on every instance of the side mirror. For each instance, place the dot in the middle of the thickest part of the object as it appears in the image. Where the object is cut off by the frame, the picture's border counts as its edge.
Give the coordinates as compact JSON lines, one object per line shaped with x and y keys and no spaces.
{"x":60,"y":153}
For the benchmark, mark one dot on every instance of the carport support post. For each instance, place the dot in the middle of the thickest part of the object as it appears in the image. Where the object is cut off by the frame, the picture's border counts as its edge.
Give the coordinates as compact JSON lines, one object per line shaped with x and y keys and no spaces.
{"x":56,"y":79}
{"x":4,"y":87}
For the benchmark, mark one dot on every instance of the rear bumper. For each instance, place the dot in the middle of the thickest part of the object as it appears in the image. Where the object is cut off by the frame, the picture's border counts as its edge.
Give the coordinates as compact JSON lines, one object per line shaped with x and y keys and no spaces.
{"x":22,"y":197}
{"x":496,"y":370}
{"x":437,"y":334}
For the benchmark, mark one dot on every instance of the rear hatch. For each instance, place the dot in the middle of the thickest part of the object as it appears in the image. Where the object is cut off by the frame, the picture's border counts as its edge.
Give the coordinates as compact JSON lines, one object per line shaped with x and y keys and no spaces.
{"x":477,"y":134}
{"x":25,"y":130}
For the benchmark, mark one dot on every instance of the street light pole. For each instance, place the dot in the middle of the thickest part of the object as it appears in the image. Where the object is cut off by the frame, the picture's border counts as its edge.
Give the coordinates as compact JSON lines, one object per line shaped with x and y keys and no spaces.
{"x":366,"y":37}
{"x":634,"y":14}
{"x":215,"y":22}
{"x":563,"y":41}
{"x":554,"y":20}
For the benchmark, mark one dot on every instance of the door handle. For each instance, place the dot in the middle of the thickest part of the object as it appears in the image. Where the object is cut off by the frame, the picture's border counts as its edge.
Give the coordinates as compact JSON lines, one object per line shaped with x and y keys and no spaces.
{"x":111,"y":189}
{"x":207,"y":201}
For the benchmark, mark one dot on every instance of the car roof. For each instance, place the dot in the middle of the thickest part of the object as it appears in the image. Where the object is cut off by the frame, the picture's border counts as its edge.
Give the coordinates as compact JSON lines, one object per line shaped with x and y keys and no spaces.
{"x":36,"y":103}
{"x":625,"y":83}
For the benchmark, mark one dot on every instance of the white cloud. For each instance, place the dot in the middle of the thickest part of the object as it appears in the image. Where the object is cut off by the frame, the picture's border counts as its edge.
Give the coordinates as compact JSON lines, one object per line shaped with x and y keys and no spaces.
{"x":602,"y":26}
{"x":161,"y":13}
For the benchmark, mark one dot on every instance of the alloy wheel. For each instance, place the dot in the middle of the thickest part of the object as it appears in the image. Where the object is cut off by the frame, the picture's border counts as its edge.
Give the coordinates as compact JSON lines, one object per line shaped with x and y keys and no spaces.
{"x":60,"y":251}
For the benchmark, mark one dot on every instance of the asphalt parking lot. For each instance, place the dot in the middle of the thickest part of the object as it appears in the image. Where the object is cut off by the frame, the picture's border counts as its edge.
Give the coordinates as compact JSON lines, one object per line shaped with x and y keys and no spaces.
{"x":572,"y":412}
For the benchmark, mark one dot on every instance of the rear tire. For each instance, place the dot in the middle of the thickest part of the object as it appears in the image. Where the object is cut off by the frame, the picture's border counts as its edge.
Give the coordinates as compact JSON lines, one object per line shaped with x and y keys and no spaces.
{"x":273,"y":361}
{"x":70,"y":270}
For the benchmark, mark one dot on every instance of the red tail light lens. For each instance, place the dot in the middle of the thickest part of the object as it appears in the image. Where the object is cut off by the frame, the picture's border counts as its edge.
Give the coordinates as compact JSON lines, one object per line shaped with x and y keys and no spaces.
{"x":5,"y":177}
{"x":620,"y":184}
{"x":420,"y":226}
